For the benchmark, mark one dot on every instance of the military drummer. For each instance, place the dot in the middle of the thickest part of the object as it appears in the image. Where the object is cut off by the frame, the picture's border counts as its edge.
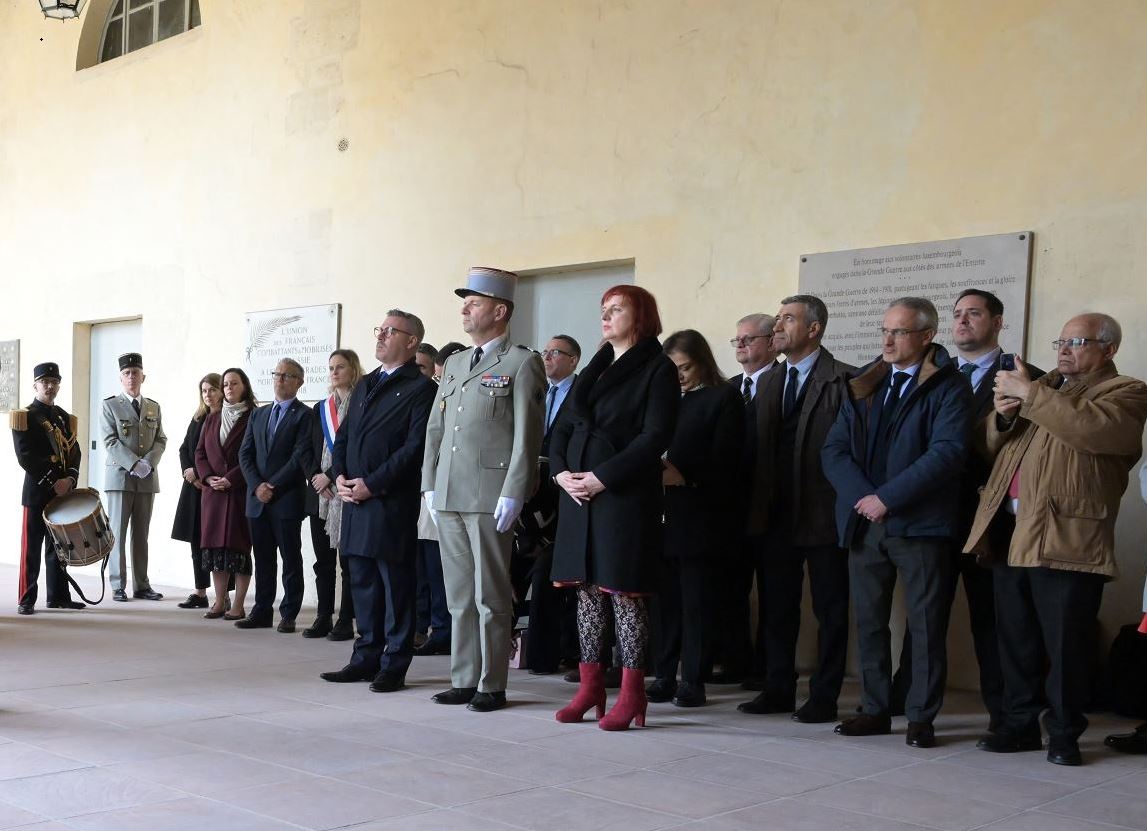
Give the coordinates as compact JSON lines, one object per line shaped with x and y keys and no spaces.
{"x":482,"y":442}
{"x":132,"y":428}
{"x":47,"y":449}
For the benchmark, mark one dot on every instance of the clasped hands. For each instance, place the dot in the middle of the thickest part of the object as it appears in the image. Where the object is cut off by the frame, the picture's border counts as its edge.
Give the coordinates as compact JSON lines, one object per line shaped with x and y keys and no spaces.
{"x":582,"y":487}
{"x":871,"y":508}
{"x":352,"y":490}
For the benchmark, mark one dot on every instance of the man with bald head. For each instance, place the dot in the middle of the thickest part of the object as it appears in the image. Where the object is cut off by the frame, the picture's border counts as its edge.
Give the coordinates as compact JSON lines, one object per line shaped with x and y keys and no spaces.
{"x":1062,"y":447}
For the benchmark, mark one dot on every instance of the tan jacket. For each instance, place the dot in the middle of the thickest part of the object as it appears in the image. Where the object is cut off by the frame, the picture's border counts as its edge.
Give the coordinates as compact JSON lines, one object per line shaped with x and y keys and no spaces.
{"x":1074,"y":447}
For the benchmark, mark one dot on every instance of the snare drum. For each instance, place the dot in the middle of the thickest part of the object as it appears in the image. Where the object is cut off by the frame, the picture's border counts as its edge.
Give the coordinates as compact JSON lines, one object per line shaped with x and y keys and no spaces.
{"x":79,"y":527}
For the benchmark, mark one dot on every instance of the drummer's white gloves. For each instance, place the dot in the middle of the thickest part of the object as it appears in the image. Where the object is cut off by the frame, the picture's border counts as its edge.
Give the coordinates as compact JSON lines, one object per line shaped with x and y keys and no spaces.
{"x":141,"y":469}
{"x":429,"y":497}
{"x":506,"y":513}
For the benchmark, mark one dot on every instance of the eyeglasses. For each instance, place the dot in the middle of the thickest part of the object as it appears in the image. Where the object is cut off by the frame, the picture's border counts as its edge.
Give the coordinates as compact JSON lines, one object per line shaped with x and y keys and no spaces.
{"x":281,"y":376}
{"x":553,"y":353}
{"x":381,"y":332}
{"x":897,"y":334}
{"x":1075,"y":343}
{"x":745,"y":340}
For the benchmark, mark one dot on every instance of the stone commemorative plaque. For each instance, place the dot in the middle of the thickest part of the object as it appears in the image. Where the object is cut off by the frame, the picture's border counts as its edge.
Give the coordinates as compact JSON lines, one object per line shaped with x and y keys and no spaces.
{"x":9,"y":375}
{"x":858,"y":285}
{"x":308,"y":334}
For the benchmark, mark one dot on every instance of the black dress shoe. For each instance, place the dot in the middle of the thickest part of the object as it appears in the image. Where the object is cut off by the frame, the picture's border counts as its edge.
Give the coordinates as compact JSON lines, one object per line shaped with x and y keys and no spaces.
{"x":119,"y":595}
{"x":1009,"y":741}
{"x":343,"y":630}
{"x":386,"y":682}
{"x":689,"y":695}
{"x":920,"y":734}
{"x":611,"y":678}
{"x":320,"y":628}
{"x":193,"y":601}
{"x":661,"y":690}
{"x":433,"y":646}
{"x":286,"y":626}
{"x":67,"y":604}
{"x":1133,"y":742}
{"x":573,"y":676}
{"x":767,"y":703}
{"x":147,"y":594}
{"x":815,"y":712}
{"x":864,"y":725}
{"x":25,"y":609}
{"x":252,"y":622}
{"x":487,"y":702}
{"x":455,"y":695}
{"x":1064,"y":752}
{"x":347,"y":675}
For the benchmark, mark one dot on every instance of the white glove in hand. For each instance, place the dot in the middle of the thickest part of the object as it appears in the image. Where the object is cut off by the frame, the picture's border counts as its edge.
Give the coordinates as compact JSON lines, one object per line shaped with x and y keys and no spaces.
{"x":506,"y":513}
{"x":141,"y":469}
{"x":429,"y":497}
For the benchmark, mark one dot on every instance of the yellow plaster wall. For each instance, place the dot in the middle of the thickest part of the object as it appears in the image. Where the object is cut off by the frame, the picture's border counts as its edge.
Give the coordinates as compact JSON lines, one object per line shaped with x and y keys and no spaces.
{"x":711,"y":141}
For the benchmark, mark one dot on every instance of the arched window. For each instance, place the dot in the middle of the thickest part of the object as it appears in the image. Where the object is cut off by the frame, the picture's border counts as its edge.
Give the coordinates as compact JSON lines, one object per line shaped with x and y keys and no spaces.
{"x":133,"y":24}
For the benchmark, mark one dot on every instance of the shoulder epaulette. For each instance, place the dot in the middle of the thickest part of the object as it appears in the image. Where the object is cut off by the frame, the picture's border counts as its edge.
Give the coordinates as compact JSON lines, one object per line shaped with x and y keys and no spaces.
{"x":110,"y":397}
{"x":18,"y":420}
{"x":522,"y":346}
{"x":73,"y":424}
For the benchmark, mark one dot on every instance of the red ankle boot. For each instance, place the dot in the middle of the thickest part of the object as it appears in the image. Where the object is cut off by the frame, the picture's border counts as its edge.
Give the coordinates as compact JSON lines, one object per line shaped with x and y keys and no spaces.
{"x":590,"y":693}
{"x":630,"y":705}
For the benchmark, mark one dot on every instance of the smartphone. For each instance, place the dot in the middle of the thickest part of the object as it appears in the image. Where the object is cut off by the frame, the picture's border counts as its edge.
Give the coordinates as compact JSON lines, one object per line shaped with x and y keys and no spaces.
{"x":1008,"y":361}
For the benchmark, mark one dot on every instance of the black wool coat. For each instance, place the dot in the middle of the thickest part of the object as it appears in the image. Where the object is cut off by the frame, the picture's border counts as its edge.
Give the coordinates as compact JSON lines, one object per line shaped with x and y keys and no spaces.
{"x":186,"y":525}
{"x":382,"y":440}
{"x":618,"y":420}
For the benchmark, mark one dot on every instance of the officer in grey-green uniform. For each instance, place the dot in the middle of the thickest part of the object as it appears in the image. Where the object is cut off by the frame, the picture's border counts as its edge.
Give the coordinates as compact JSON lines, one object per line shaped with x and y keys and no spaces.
{"x":480,"y":467}
{"x":132,"y":428}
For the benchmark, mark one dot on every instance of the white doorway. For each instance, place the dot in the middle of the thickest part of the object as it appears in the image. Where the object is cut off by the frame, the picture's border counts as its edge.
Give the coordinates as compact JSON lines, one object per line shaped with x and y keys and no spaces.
{"x":108,"y":342}
{"x":565,"y":302}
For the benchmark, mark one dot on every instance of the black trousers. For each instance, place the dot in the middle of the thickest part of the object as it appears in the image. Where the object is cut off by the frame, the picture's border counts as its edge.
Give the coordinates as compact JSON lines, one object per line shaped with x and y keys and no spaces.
{"x":284,"y":536}
{"x":384,"y":606}
{"x":553,"y":618}
{"x":922,"y":564}
{"x":202,"y":576}
{"x":1052,"y":612}
{"x":734,"y":649}
{"x":684,"y":616}
{"x":980,"y":594}
{"x":326,"y":558}
{"x":783,"y":566}
{"x":432,"y":612}
{"x":34,"y":543}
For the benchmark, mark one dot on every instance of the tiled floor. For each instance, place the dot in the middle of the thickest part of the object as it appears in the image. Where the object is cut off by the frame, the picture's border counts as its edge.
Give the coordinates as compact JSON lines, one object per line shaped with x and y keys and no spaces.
{"x":145,"y":716}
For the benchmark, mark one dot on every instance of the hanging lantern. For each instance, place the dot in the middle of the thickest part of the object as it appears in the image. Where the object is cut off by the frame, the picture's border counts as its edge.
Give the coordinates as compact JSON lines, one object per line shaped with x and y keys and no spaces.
{"x":62,"y":9}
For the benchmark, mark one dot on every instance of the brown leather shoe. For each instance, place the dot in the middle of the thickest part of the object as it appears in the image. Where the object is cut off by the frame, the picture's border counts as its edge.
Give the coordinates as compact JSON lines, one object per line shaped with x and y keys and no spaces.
{"x":865,"y":725}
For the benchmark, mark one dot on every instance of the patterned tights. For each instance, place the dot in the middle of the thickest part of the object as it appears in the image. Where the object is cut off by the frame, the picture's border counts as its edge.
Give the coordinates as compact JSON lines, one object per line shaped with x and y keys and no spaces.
{"x":595,"y":619}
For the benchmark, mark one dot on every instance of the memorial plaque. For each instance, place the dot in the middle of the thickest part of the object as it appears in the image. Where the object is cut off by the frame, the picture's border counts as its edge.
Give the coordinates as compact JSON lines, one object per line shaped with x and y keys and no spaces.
{"x":9,"y":375}
{"x":858,"y":285}
{"x":308,"y":334}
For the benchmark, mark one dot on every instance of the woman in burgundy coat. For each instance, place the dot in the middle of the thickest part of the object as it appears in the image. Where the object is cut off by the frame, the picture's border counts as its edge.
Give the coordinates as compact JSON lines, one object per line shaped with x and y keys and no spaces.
{"x":225,"y":538}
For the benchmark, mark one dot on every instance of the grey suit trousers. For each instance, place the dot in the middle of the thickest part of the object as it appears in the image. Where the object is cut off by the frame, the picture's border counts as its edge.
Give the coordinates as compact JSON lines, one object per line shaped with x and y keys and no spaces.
{"x":476,"y":570}
{"x":124,"y":508}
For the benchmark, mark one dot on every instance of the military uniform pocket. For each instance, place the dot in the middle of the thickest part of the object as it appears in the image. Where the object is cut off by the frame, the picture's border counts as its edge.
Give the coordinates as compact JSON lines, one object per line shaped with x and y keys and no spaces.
{"x":496,"y":402}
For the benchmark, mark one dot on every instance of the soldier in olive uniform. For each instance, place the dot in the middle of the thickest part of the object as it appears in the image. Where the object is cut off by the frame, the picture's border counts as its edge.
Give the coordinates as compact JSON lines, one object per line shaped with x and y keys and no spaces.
{"x":132,"y":428}
{"x":46,"y":447}
{"x":480,"y":467}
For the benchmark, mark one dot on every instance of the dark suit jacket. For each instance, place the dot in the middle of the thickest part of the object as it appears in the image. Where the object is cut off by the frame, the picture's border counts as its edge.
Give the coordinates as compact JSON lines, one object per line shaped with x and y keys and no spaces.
{"x":619,"y":422}
{"x":282,"y":463}
{"x":382,"y":440}
{"x":38,"y":455}
{"x":317,"y":440}
{"x":749,"y":496}
{"x":813,"y":519}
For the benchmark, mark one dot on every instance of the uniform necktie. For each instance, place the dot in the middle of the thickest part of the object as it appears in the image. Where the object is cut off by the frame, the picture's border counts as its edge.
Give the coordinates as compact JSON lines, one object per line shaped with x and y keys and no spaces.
{"x":135,"y":406}
{"x":477,"y":356}
{"x":969,"y":370}
{"x":747,"y":390}
{"x":551,"y":397}
{"x":892,"y":402}
{"x":790,"y":393}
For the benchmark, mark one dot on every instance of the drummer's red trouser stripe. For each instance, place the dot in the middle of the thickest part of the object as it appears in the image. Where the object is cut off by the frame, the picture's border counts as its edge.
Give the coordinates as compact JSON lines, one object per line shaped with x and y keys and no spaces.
{"x":23,"y":556}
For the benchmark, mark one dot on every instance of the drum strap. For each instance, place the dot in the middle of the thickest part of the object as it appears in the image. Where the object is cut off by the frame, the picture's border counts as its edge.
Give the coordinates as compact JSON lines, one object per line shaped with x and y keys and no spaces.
{"x":103,"y":584}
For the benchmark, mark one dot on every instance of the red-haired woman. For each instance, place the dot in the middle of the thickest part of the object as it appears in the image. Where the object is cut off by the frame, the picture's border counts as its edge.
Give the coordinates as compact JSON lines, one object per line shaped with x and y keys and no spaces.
{"x":606,"y":455}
